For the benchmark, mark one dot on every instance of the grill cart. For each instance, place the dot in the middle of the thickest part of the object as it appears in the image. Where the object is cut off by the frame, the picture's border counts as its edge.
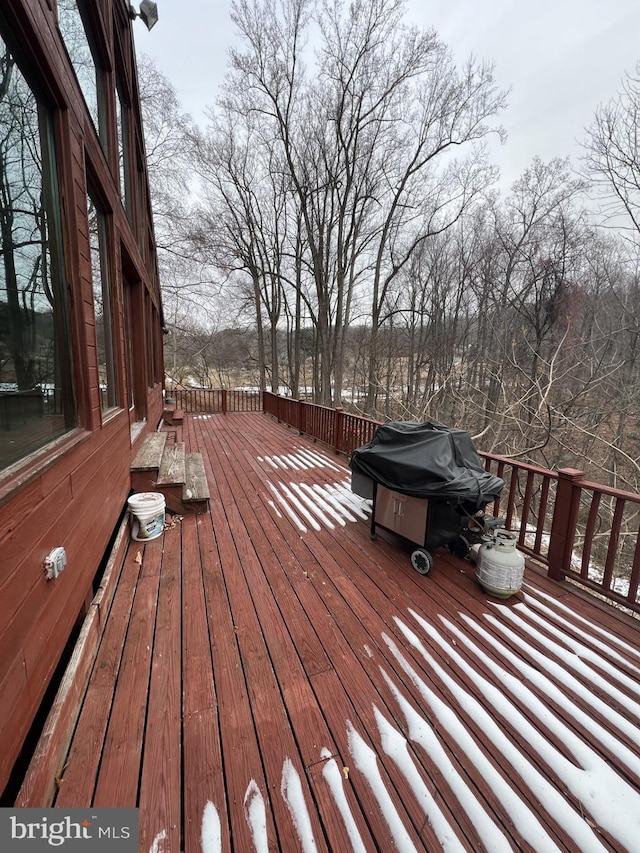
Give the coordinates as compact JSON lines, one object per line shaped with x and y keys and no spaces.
{"x":428,"y":486}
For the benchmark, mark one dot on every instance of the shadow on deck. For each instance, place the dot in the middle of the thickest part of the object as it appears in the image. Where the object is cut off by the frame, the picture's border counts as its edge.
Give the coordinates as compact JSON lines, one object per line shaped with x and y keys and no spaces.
{"x":270,"y":678}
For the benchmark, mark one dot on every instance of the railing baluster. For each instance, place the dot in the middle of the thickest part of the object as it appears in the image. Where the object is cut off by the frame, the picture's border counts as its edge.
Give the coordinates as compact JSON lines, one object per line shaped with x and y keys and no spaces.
{"x":588,"y":534}
{"x":542,"y":514}
{"x":613,"y":543}
{"x":513,"y":485}
{"x":526,"y":505}
{"x":634,"y":580}
{"x":498,"y":501}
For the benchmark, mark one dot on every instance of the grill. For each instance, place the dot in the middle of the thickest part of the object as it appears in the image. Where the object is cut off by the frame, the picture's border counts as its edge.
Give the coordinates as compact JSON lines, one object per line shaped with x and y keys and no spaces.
{"x":428,"y":487}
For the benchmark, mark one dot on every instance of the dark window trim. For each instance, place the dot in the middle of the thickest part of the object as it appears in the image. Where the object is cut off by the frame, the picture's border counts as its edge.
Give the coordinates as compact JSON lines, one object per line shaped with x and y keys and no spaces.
{"x":123,"y":125}
{"x":49,"y":140}
{"x":106,"y":273}
{"x":96,"y":37}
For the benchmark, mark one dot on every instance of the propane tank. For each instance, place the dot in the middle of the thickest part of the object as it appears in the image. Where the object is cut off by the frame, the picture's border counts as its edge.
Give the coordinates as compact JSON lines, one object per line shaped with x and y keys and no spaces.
{"x":500,"y":566}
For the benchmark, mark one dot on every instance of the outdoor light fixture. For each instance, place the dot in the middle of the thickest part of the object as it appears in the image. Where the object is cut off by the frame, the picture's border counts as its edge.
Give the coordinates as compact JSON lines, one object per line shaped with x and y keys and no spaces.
{"x":148,"y":12}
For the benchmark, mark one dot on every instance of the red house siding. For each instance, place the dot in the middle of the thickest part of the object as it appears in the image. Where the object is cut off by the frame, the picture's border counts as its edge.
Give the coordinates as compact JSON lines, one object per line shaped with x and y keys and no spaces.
{"x":72,"y":492}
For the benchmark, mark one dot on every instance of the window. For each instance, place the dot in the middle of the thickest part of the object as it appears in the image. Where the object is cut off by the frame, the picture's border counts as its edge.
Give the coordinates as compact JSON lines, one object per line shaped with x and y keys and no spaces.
{"x":102,"y":303}
{"x":128,"y":333}
{"x":141,"y":206}
{"x":83,"y":58}
{"x":152,"y":327}
{"x":123,"y":152}
{"x":36,"y":398}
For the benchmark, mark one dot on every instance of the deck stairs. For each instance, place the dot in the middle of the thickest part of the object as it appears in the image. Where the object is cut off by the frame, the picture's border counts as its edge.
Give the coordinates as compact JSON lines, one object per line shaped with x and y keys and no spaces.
{"x":171,"y":415}
{"x":163,"y":466}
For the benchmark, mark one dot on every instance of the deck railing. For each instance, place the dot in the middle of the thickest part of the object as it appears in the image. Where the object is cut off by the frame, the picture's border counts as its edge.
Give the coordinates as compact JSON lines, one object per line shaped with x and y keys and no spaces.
{"x":583,"y":531}
{"x":216,"y":400}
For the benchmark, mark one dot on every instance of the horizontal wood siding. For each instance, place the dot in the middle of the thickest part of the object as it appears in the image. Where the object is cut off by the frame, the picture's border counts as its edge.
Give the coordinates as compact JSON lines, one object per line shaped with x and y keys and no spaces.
{"x":72,"y":493}
{"x":79,"y":503}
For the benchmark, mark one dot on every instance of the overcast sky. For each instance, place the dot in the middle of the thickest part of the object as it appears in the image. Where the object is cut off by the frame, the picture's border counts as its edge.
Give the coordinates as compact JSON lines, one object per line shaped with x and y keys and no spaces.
{"x":561,"y":58}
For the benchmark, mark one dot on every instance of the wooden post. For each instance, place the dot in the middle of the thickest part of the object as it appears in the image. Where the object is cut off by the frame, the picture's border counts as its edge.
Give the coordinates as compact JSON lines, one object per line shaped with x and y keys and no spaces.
{"x":338,"y":425}
{"x":564,"y":522}
{"x":224,"y":401}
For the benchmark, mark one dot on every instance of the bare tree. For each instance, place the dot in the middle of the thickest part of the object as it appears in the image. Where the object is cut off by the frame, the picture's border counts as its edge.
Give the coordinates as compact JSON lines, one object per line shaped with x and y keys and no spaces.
{"x":611,"y":154}
{"x":359,"y":132}
{"x":186,"y":277}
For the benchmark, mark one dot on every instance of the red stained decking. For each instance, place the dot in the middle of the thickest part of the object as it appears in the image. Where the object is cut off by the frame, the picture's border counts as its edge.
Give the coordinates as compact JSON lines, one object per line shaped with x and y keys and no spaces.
{"x":270,"y":678}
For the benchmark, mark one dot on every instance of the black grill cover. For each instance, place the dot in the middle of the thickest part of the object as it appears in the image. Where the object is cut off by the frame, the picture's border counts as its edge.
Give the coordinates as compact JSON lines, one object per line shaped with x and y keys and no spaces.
{"x":426,"y":460}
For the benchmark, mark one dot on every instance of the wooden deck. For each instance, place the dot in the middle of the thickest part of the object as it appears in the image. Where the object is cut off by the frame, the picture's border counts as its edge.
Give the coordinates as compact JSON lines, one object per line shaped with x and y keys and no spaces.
{"x":270,"y":678}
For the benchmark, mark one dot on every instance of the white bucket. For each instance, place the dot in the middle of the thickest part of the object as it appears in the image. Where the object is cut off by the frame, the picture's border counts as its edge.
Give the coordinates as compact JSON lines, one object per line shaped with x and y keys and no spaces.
{"x":147,"y":515}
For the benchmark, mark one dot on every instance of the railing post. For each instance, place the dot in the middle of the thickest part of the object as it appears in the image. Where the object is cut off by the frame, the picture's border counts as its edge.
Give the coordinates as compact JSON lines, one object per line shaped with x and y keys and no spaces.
{"x":564,"y":522}
{"x":278,"y":408}
{"x":224,"y":401}
{"x":338,"y":423}
{"x":303,"y":417}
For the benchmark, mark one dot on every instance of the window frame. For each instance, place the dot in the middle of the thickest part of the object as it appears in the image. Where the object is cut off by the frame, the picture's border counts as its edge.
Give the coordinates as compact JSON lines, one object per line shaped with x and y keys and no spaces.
{"x":50,"y":137}
{"x":50,"y":144}
{"x":101,"y":72}
{"x":109,"y":300}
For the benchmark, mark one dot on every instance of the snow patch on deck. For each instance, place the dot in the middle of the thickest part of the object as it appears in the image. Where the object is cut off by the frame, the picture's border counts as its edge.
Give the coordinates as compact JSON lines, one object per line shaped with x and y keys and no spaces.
{"x":606,"y":799}
{"x":211,"y":834}
{"x":519,"y":729}
{"x":293,"y":795}
{"x":157,"y":845}
{"x":366,"y":762}
{"x":256,"y":817}
{"x":302,"y":459}
{"x":524,"y":819}
{"x":396,"y":747}
{"x":333,"y":777}
{"x":318,"y":506}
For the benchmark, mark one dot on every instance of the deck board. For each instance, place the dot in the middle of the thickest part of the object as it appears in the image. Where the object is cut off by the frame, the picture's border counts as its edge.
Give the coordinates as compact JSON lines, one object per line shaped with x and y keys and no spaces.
{"x":118,"y":779}
{"x":241,"y":764}
{"x":161,"y":782}
{"x":202,"y":749}
{"x":279,"y":691}
{"x":86,"y":749}
{"x":271,"y":677}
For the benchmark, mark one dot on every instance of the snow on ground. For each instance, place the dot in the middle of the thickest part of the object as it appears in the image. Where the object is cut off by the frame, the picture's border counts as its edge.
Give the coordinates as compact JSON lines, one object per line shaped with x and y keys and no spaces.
{"x":211,"y":834}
